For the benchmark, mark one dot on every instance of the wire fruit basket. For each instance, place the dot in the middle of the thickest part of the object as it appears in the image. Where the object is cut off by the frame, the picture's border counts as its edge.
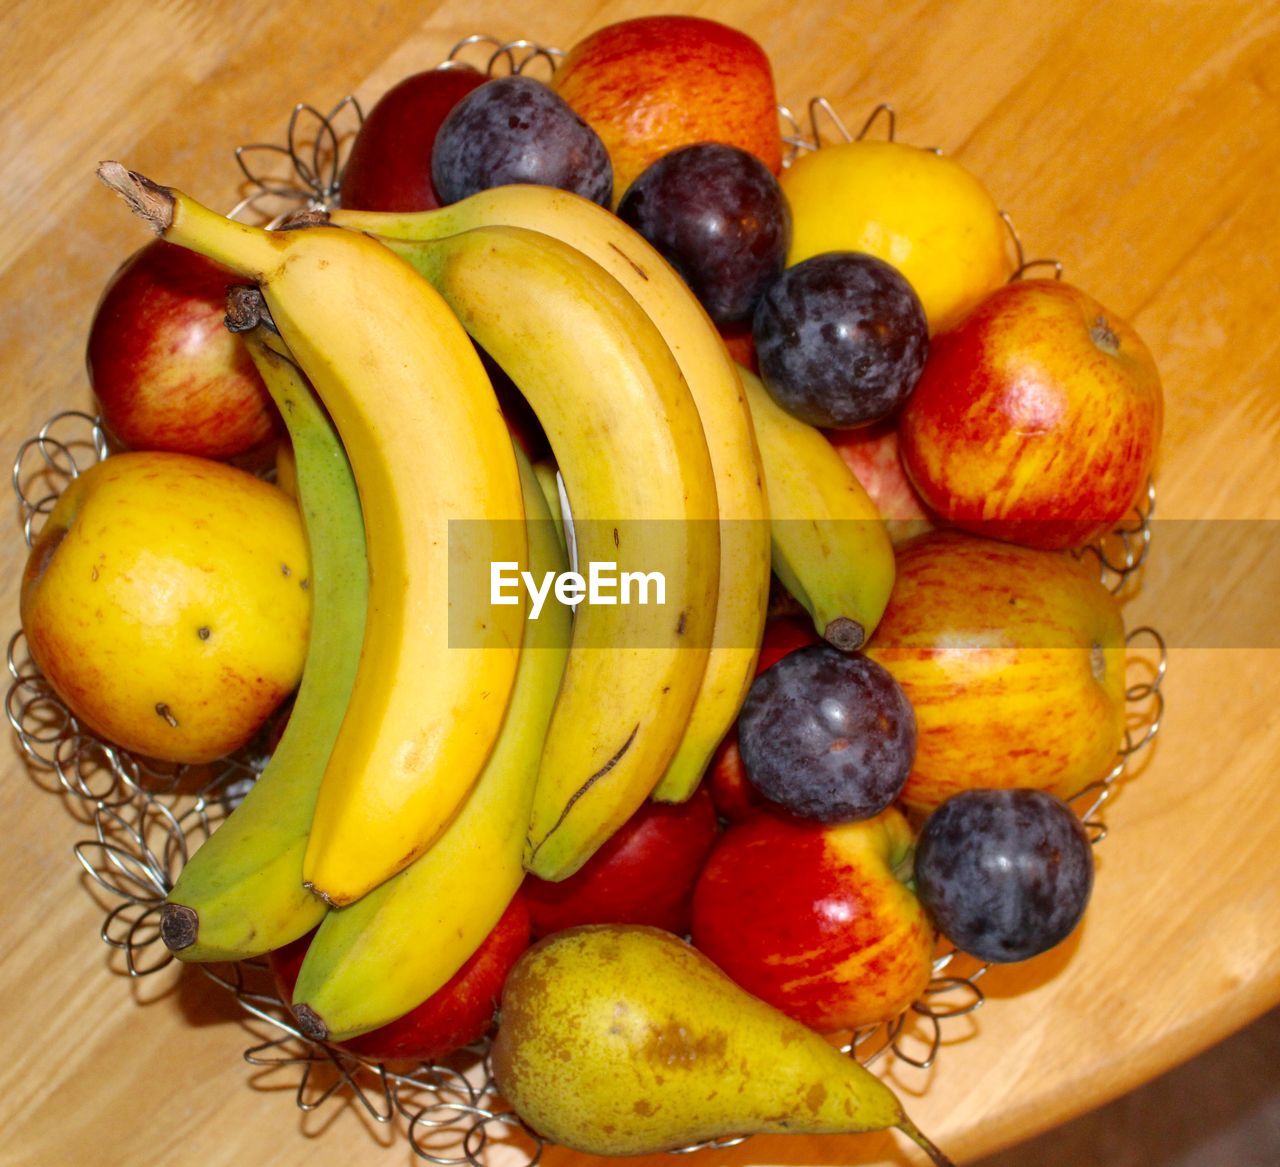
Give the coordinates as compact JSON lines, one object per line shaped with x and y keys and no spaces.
{"x":145,"y":819}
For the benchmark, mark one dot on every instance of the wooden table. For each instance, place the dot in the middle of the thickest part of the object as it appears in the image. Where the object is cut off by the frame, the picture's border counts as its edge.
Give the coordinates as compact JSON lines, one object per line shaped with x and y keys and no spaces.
{"x":1137,"y":142}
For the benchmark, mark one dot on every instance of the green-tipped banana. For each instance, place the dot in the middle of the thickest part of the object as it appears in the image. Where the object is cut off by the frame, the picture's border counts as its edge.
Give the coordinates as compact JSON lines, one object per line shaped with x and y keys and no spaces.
{"x":830,"y":547}
{"x":428,"y":446}
{"x":241,"y":894}
{"x":717,"y":392}
{"x":375,"y":960}
{"x":630,"y":447}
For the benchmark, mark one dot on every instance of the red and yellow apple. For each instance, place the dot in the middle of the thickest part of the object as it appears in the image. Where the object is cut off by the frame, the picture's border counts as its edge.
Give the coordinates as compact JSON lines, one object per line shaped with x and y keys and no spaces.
{"x":389,"y":168}
{"x":1036,"y":419}
{"x":872,"y":454}
{"x":1013,"y":659}
{"x":166,"y":372}
{"x":643,"y":874}
{"x":166,"y":600}
{"x":655,"y":83}
{"x":817,"y":920}
{"x":459,"y":1012}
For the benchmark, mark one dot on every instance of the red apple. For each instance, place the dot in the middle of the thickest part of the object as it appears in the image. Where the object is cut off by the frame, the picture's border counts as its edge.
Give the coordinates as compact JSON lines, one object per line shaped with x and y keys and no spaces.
{"x":783,"y":635}
{"x":389,"y":168}
{"x":817,"y":920}
{"x":643,"y":874}
{"x":650,"y":85}
{"x":737,"y":339}
{"x":872,"y":454}
{"x":458,"y":1013}
{"x":1013,"y":660}
{"x":167,"y":373}
{"x":1036,"y":418}
{"x":734,"y":797}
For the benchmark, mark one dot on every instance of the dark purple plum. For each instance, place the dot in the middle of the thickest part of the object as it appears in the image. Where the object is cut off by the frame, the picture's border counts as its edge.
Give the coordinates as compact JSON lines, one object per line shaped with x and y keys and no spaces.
{"x":719,"y":217}
{"x":826,"y":735}
{"x":1005,"y":874}
{"x":515,"y":129}
{"x":841,"y":339}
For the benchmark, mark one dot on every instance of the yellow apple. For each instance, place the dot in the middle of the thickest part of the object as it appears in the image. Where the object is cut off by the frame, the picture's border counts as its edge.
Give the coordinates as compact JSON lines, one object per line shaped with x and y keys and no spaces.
{"x":920,"y":211}
{"x":167,"y":602}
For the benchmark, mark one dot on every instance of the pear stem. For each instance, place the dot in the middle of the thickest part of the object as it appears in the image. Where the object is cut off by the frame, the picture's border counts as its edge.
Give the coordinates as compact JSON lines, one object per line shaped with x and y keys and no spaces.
{"x":917,"y":1136}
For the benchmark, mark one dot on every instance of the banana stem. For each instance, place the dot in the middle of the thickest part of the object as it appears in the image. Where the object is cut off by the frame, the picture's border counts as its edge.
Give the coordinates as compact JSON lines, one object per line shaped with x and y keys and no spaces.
{"x":917,"y":1136}
{"x":249,"y":251}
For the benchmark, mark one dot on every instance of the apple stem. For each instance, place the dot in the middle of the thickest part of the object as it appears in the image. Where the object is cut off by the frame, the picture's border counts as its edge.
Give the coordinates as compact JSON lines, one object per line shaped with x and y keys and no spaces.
{"x":917,"y":1136}
{"x":147,"y":200}
{"x":1104,"y":336}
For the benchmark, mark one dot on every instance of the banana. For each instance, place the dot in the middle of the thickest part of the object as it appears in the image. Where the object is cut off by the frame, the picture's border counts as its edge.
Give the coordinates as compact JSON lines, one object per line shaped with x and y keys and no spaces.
{"x":427,"y":443}
{"x":241,"y":893}
{"x":630,"y":447}
{"x":549,"y":481}
{"x":377,"y":959}
{"x":717,"y":393}
{"x":831,"y":549}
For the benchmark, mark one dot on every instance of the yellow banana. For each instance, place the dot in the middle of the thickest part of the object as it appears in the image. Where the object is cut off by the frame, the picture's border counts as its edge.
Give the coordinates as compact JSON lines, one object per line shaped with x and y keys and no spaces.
{"x":428,"y":445}
{"x":241,"y":893}
{"x":630,"y":447}
{"x":717,"y":393}
{"x":831,"y":549}
{"x":375,"y":960}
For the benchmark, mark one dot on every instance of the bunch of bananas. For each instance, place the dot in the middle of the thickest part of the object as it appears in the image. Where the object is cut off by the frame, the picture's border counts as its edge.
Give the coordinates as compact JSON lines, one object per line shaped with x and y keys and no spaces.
{"x":440,"y":746}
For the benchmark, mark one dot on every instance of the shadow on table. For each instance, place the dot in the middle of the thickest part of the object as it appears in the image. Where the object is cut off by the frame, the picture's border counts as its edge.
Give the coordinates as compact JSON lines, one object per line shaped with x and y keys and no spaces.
{"x":1221,"y":1109}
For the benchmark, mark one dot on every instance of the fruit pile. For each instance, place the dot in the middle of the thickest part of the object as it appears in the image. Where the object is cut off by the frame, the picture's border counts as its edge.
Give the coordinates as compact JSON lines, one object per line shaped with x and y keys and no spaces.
{"x":511,"y":349}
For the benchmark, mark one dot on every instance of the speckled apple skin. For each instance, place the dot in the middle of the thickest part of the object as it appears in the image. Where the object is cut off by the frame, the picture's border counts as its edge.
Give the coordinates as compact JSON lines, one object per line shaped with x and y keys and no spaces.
{"x":1036,"y":419}
{"x":1013,"y":659}
{"x":166,"y":372}
{"x":649,"y":85}
{"x":815,"y":919}
{"x":167,"y":601}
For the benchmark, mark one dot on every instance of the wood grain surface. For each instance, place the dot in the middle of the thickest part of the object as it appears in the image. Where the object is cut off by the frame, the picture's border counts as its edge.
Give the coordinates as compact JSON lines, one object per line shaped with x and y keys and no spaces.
{"x":1139,"y":143}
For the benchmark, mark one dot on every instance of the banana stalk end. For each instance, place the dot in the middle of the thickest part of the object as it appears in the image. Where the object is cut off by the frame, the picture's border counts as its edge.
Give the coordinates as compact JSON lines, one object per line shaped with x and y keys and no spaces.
{"x":845,"y":634}
{"x":149,"y":201}
{"x":179,"y":926}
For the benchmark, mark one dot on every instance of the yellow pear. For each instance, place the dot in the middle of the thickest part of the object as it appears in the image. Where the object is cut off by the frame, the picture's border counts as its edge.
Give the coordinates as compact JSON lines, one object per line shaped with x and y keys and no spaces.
{"x":625,"y":1040}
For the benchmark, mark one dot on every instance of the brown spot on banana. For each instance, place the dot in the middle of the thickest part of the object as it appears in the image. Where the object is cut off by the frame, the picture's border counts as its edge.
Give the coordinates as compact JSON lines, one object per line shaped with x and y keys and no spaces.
{"x":589,"y":783}
{"x":631,"y":263}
